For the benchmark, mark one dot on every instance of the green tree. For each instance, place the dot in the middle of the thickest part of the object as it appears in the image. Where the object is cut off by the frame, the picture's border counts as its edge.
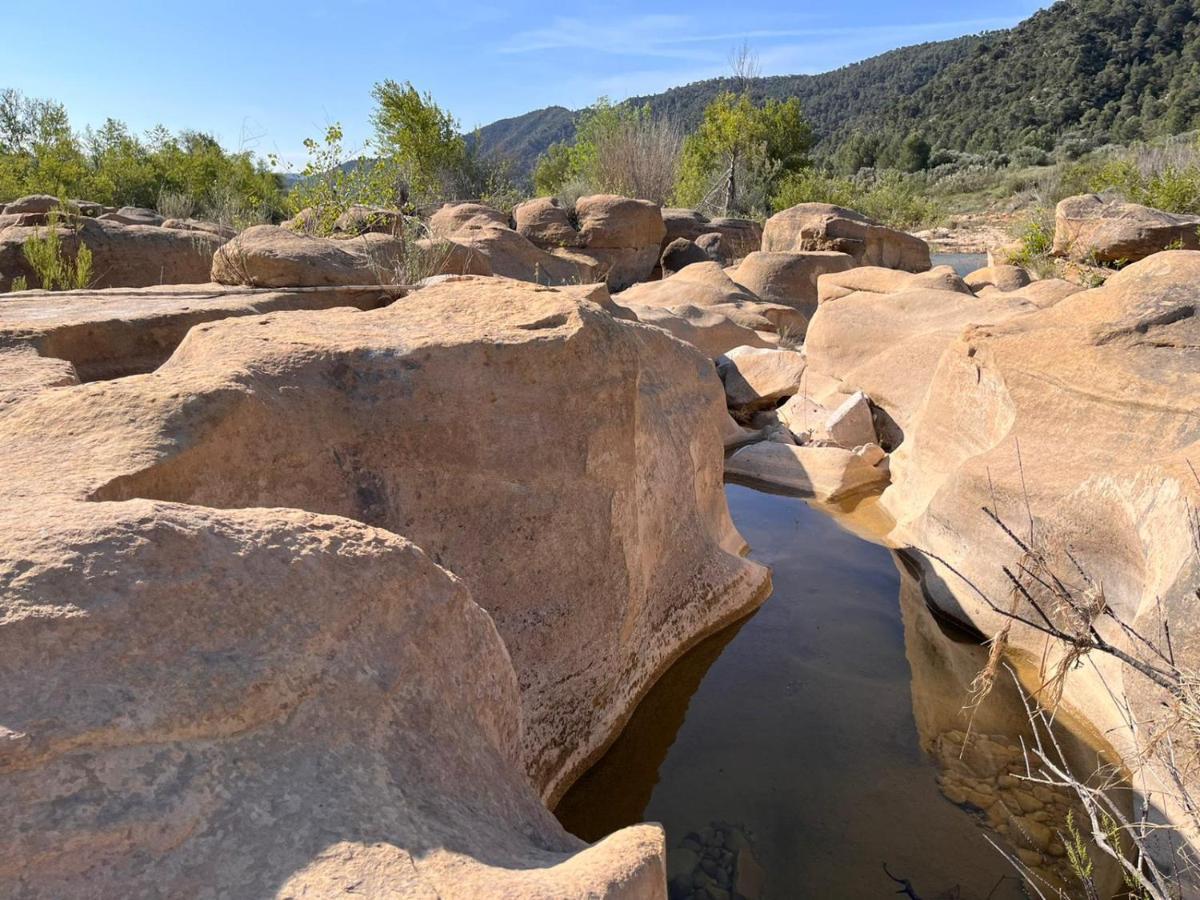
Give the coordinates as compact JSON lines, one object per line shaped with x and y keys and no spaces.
{"x":738,"y":141}
{"x":421,"y":138}
{"x":914,"y":153}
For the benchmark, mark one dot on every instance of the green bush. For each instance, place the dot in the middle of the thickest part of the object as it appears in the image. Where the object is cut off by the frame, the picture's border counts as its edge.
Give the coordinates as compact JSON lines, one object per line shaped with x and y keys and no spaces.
{"x":48,"y":258}
{"x":892,"y":198}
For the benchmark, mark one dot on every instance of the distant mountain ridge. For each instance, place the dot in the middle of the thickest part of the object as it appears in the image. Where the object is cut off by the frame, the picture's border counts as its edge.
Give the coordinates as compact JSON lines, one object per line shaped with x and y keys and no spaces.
{"x":1091,"y":70}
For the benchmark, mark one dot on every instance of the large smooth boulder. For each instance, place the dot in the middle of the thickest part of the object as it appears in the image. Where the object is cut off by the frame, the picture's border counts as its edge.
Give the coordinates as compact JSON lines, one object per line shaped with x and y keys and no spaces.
{"x":119,"y":332}
{"x":742,"y":236}
{"x":513,"y":255}
{"x":888,"y":345}
{"x":688,"y":224}
{"x":273,"y":256}
{"x":1074,"y":424}
{"x":546,"y":223}
{"x":1002,"y":278}
{"x":1089,"y":227}
{"x":706,"y":285}
{"x":878,"y":280}
{"x":450,"y":217}
{"x":790,"y":278}
{"x":757,"y":379}
{"x":824,"y":474}
{"x":586,"y":639}
{"x":122,"y":255}
{"x":679,"y":254}
{"x":711,"y":332}
{"x":699,"y":284}
{"x":264,"y":701}
{"x":625,"y":235}
{"x":823,"y":226}
{"x":134,"y":215}
{"x":283,"y":694}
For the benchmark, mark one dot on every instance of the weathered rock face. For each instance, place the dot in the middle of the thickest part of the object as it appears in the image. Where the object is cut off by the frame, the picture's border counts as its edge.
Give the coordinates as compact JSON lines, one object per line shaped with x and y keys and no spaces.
{"x":546,"y":223}
{"x":1076,"y":422}
{"x":358,"y":716}
{"x":679,"y":254}
{"x":277,"y":702}
{"x":709,"y":332}
{"x":790,"y":278}
{"x":513,"y":255}
{"x":99,"y":335}
{"x":714,"y":245}
{"x":133,"y":215}
{"x":877,"y":280}
{"x":825,"y":474}
{"x":624,"y":235}
{"x":888,"y":345}
{"x":1002,"y":278}
{"x":757,"y":379}
{"x":273,"y":256}
{"x":706,"y":285}
{"x":742,"y":236}
{"x":1088,"y":227}
{"x":822,"y":226}
{"x":122,"y":255}
{"x":453,"y":216}
{"x":688,"y":224}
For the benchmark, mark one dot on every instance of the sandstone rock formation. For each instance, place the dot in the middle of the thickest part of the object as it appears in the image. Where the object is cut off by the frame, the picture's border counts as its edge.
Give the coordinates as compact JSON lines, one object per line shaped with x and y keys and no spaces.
{"x":273,"y":256}
{"x":712,"y":333}
{"x":122,"y":255}
{"x":452,"y":216}
{"x":681,"y":253}
{"x":284,"y":694}
{"x":878,"y":280}
{"x":1002,"y":278}
{"x":758,"y":379}
{"x":1075,"y":423}
{"x":824,"y":474}
{"x":512,"y":255}
{"x":624,"y":235}
{"x":133,"y":215}
{"x":1088,"y":227}
{"x":546,"y":223}
{"x":822,"y":226}
{"x":790,"y":278}
{"x":742,"y":236}
{"x":706,"y":285}
{"x":99,"y":335}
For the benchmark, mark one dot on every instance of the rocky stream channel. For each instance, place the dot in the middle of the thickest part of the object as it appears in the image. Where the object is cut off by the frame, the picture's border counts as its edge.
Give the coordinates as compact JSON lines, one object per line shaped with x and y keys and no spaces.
{"x":811,"y":750}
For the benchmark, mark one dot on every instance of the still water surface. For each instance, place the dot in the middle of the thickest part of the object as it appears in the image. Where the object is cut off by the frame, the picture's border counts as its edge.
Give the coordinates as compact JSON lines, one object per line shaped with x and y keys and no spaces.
{"x":790,"y":738}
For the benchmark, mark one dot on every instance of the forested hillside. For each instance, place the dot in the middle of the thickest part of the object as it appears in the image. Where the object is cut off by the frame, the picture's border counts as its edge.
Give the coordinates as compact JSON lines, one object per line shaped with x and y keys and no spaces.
{"x":1084,"y":72}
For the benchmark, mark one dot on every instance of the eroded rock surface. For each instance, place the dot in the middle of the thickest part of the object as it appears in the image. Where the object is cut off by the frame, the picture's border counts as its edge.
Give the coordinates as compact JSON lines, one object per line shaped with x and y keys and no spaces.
{"x":1075,"y":424}
{"x":122,"y":255}
{"x":822,"y":226}
{"x":283,"y":693}
{"x":1089,"y":227}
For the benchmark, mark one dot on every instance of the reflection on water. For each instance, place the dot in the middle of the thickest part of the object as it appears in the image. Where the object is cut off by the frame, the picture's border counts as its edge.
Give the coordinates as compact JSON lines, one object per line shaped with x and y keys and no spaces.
{"x":784,"y":752}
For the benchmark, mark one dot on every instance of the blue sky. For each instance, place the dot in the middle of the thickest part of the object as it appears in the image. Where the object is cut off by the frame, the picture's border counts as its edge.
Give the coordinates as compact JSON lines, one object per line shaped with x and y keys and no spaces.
{"x":265,"y":75}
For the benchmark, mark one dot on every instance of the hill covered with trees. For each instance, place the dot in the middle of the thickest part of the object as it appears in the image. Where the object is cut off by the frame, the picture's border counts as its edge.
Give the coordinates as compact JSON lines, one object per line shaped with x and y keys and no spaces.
{"x":1079,"y":74}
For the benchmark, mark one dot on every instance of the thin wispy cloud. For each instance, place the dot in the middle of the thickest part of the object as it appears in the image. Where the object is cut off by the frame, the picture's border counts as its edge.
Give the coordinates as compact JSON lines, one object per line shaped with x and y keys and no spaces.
{"x":677,"y":36}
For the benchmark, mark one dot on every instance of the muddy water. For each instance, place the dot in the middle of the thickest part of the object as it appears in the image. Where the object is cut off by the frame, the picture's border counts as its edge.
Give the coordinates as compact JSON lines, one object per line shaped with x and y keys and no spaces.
{"x":785,"y":752}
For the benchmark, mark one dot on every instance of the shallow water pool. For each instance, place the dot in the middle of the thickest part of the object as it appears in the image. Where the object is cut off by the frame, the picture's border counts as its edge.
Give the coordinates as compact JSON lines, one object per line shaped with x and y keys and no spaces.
{"x":784,"y":751}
